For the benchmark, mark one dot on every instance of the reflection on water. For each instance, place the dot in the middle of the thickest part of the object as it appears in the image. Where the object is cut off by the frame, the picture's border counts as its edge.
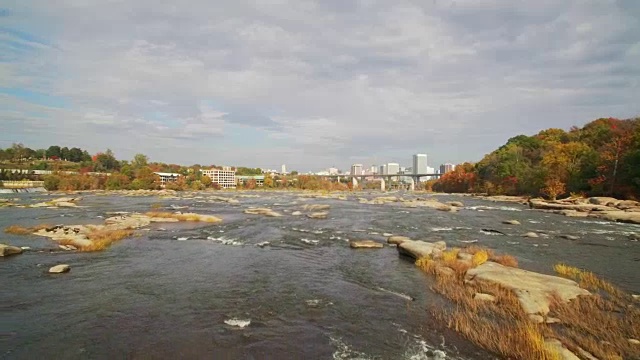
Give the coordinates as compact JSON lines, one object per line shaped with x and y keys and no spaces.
{"x":173,"y":291}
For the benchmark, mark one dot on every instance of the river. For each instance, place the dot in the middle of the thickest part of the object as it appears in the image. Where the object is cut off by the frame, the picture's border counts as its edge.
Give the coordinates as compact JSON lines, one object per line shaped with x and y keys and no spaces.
{"x":167,"y":292}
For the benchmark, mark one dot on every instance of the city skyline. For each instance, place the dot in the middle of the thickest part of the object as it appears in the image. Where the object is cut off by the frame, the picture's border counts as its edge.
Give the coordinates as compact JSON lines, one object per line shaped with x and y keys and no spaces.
{"x":311,"y":84}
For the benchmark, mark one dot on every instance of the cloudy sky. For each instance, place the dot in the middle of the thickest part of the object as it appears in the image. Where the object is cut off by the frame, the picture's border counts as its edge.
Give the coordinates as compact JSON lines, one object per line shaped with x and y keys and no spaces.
{"x":311,"y":84}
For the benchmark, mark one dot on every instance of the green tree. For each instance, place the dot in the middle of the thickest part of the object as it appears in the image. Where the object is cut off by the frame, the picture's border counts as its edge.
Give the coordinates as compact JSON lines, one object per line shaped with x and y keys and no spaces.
{"x":75,"y":155}
{"x":139,"y":161}
{"x":53,"y":152}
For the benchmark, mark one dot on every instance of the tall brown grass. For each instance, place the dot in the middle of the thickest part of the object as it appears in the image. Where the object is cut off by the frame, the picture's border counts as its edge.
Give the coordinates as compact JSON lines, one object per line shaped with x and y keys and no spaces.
{"x":20,"y":230}
{"x":100,"y":239}
{"x":184,"y":217}
{"x":600,"y":324}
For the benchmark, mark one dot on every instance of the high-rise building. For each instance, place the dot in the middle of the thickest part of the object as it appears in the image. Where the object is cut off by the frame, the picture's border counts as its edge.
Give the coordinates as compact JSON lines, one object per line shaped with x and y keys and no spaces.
{"x":430,"y":170}
{"x":284,"y":169}
{"x":333,"y":171}
{"x":383,"y":170}
{"x":374,"y":169}
{"x":445,"y":168}
{"x":420,"y":163}
{"x":393,"y":168}
{"x":356,"y":169}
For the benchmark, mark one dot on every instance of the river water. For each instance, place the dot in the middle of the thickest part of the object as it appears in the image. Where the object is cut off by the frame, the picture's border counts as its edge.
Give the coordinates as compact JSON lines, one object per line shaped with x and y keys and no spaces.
{"x":167,"y":292}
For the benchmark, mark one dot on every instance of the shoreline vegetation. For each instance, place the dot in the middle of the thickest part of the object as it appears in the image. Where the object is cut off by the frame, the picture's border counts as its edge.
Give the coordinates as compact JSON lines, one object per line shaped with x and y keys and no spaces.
{"x":599,"y":159}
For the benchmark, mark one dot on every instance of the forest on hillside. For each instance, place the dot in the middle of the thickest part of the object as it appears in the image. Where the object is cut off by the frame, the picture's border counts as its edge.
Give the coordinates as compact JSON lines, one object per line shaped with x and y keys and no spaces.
{"x":601,"y":158}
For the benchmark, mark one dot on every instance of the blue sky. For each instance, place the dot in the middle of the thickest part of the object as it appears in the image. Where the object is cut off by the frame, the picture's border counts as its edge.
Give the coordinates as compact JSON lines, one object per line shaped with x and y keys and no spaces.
{"x":311,"y":84}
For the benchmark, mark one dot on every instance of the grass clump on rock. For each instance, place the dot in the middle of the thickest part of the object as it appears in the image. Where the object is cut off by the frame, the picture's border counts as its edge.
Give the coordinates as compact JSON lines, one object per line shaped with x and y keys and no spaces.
{"x":21,"y":230}
{"x":100,"y":239}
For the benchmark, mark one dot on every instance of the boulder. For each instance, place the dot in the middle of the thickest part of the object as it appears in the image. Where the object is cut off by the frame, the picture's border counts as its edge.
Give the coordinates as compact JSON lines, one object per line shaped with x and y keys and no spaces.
{"x":602,"y":200}
{"x":572,"y":213}
{"x":8,"y":250}
{"x":511,"y":222}
{"x":417,"y":249}
{"x":555,"y":347}
{"x":570,"y":237}
{"x":397,"y":239}
{"x":65,"y":204}
{"x":296,"y":213}
{"x":441,"y":245}
{"x":262,"y":211}
{"x":634,"y":237}
{"x":552,"y":320}
{"x":530,"y":234}
{"x":550,"y":205}
{"x":455,"y":203}
{"x":59,"y":269}
{"x":365,"y":244}
{"x":634,"y":341}
{"x":532,"y":289}
{"x":483,"y":297}
{"x":465,"y":256}
{"x":318,"y":215}
{"x":538,"y":319}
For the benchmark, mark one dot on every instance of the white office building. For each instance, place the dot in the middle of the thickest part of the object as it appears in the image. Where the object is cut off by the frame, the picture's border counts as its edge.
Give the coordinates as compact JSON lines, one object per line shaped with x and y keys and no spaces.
{"x":226,"y":177}
{"x":392,"y":168}
{"x":356,"y":169}
{"x":284,"y":169}
{"x":333,"y":171}
{"x":420,"y":164}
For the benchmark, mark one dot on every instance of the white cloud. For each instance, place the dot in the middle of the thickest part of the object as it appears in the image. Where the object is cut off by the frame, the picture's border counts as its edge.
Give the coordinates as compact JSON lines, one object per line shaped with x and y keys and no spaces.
{"x":321,"y":81}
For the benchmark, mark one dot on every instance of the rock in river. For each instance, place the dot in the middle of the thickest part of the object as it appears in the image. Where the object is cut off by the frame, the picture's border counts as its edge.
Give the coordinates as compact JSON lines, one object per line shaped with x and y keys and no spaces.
{"x":530,"y":234}
{"x":397,"y":239}
{"x":417,"y":249}
{"x":533,"y":290}
{"x":262,"y":211}
{"x":8,"y":250}
{"x":59,"y":269}
{"x":318,"y":215}
{"x":365,"y":244}
{"x":511,"y":222}
{"x":570,"y":237}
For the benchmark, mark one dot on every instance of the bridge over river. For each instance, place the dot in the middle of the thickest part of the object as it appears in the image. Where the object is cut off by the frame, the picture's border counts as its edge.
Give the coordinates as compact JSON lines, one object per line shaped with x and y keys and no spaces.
{"x":383,"y":178}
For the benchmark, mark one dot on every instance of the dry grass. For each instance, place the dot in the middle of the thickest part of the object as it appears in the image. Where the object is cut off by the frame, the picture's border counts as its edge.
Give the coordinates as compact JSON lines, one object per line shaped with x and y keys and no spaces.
{"x":506,"y":260}
{"x":20,"y":230}
{"x":480,"y":258}
{"x":102,"y":239}
{"x":600,"y":324}
{"x":589,"y":280}
{"x":184,"y":217}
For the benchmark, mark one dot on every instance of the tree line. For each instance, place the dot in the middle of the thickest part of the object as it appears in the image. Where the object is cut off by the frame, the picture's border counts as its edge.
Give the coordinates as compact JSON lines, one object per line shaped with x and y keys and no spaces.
{"x":601,"y":158}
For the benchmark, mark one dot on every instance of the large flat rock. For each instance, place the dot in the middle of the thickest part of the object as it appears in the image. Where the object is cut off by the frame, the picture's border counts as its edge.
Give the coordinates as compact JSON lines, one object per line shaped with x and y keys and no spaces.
{"x":8,"y":250}
{"x":417,"y":248}
{"x":532,"y":289}
{"x":619,"y":216}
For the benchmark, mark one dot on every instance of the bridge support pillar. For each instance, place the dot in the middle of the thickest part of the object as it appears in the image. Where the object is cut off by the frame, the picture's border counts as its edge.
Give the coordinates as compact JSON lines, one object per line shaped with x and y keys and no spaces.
{"x":412,"y":184}
{"x":354,"y":181}
{"x":382,"y":185}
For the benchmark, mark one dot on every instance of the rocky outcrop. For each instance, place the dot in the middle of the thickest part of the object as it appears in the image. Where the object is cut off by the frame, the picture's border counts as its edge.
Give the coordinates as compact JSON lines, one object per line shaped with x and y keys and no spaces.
{"x":316,"y":207}
{"x":8,"y":250}
{"x":395,"y":239}
{"x":483,"y":297}
{"x":59,"y":202}
{"x":532,"y":289}
{"x":365,"y":244}
{"x":318,"y":215}
{"x":262,"y":211}
{"x":59,"y":269}
{"x":417,"y":248}
{"x":618,"y":216}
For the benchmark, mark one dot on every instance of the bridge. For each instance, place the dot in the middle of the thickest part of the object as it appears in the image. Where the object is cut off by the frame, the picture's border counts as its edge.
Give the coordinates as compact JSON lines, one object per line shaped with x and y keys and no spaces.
{"x":414,"y":178}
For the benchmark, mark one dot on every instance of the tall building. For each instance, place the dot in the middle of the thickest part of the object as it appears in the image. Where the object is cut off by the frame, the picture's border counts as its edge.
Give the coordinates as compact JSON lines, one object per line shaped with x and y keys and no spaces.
{"x":226,"y":177}
{"x":420,"y":163}
{"x":374,"y":169}
{"x":333,"y":171}
{"x":383,"y":170}
{"x":430,"y":170}
{"x":393,"y":168}
{"x":445,"y":168}
{"x":284,"y":169}
{"x":356,"y":169}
